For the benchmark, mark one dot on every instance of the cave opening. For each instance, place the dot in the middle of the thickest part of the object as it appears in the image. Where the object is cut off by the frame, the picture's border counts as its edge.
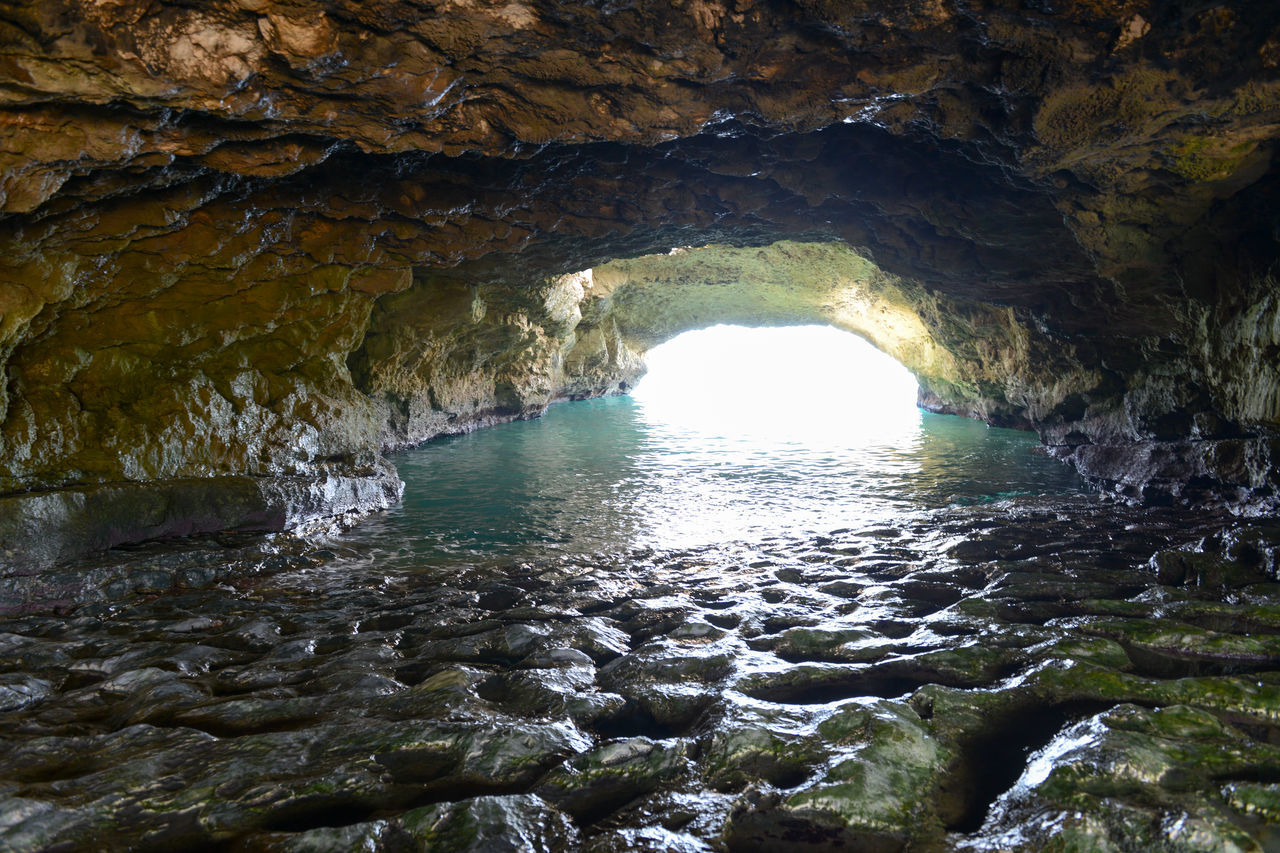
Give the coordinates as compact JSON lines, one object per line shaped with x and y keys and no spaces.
{"x":807,"y":383}
{"x":260,"y":260}
{"x":736,"y":435}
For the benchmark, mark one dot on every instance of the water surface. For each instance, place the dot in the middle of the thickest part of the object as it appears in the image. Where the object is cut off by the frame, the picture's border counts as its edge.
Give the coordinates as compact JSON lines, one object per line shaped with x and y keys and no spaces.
{"x":616,"y":474}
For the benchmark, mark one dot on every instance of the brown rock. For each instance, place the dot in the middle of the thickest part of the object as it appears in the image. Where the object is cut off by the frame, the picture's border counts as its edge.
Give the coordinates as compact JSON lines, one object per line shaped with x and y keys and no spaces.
{"x":242,"y":239}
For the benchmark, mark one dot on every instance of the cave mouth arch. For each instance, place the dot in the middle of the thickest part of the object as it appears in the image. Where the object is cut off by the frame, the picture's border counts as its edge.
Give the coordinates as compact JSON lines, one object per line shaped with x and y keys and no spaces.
{"x":446,"y":351}
{"x":453,"y":352}
{"x":793,"y":383}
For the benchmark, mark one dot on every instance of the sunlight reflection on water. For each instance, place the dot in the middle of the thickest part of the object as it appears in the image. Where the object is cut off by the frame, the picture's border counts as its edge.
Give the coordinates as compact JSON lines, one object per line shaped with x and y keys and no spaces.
{"x":722,"y":459}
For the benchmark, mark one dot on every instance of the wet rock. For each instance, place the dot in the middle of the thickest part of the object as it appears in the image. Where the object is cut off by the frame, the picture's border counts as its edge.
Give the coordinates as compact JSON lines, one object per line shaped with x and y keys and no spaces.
{"x":141,"y":582}
{"x":829,"y":643}
{"x":1164,"y":756}
{"x":968,"y":666}
{"x":355,"y":686}
{"x":668,"y":685}
{"x":236,"y":716}
{"x":665,"y":664}
{"x":134,"y":680}
{"x":761,"y":745}
{"x":450,"y":691}
{"x":245,"y":678}
{"x":19,"y":691}
{"x":258,"y":635}
{"x":30,"y":824}
{"x":843,"y":588}
{"x":597,"y":782}
{"x":696,"y":631}
{"x":877,"y":797}
{"x":30,"y":653}
{"x":508,"y":643}
{"x":560,"y":691}
{"x":379,"y":836}
{"x":1097,"y":651}
{"x":1165,"y":650}
{"x":499,"y":597}
{"x":817,"y":683}
{"x":1243,"y":699}
{"x":502,"y":824}
{"x":977,"y":550}
{"x":336,"y":701}
{"x":512,"y":823}
{"x":563,"y":658}
{"x":649,"y":839}
{"x":1034,"y":586}
{"x":54,"y":527}
{"x":1254,"y":800}
{"x":599,"y":638}
{"x":288,"y":777}
{"x":1249,"y":562}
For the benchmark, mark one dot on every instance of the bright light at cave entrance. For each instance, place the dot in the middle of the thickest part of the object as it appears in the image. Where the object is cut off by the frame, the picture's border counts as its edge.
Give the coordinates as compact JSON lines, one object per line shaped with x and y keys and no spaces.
{"x":811,"y":384}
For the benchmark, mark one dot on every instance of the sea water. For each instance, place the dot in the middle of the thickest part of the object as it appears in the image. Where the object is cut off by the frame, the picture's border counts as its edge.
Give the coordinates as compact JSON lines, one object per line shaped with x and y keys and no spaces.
{"x":616,"y":474}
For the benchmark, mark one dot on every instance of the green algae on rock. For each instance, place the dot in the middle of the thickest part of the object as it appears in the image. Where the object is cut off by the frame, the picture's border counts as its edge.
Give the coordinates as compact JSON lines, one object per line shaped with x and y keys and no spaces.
{"x":248,"y":245}
{"x":438,"y":708}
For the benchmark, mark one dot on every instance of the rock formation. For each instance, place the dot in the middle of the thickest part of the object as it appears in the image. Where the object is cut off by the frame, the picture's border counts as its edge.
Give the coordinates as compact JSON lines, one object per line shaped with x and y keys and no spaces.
{"x":248,"y":244}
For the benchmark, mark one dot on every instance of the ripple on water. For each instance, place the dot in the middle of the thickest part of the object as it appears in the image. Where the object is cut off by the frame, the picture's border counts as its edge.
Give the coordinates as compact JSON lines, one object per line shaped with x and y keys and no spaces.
{"x":612,"y":475}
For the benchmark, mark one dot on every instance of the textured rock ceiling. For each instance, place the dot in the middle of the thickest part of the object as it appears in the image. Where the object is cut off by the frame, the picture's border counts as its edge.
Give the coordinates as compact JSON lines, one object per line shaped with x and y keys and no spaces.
{"x":263,"y":240}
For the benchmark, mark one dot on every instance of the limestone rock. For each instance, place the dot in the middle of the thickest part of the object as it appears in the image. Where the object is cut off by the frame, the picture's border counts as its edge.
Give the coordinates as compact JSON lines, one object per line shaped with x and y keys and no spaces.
{"x":255,"y":239}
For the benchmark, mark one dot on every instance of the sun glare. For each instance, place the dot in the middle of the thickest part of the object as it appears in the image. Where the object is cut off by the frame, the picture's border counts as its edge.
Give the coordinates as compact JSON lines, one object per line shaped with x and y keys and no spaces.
{"x":791,"y":384}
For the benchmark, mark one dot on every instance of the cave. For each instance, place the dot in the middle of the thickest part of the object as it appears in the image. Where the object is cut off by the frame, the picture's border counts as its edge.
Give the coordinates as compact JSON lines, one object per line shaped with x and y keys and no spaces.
{"x":254,"y":251}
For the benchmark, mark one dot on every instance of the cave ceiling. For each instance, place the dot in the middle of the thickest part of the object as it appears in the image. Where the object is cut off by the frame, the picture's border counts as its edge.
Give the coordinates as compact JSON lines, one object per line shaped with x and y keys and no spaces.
{"x":251,"y":238}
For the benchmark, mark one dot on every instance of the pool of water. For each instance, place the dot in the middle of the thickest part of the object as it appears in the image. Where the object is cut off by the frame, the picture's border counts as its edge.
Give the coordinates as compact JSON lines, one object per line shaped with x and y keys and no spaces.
{"x":614,"y":474}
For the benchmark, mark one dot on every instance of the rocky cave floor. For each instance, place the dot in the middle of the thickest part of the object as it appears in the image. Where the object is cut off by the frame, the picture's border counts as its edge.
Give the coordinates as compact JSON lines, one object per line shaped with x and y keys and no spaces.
{"x":1047,"y":674}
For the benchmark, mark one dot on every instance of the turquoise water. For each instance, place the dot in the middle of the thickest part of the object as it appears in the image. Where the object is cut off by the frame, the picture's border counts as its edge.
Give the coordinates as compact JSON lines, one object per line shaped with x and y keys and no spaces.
{"x":616,"y":474}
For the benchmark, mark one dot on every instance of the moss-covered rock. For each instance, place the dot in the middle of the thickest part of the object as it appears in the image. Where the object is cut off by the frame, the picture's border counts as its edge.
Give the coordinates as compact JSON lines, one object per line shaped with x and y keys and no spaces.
{"x":1131,"y":776}
{"x":877,"y":796}
{"x":599,"y":781}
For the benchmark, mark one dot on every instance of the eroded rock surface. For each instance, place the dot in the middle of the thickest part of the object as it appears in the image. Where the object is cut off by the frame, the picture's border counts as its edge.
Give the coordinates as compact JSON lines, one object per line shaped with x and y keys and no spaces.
{"x":261,"y":239}
{"x":1011,"y":676}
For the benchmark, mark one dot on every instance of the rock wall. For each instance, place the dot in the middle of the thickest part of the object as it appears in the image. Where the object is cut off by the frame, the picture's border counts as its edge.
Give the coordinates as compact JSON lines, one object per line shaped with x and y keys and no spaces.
{"x":444,"y":357}
{"x":263,"y":240}
{"x":969,"y":357}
